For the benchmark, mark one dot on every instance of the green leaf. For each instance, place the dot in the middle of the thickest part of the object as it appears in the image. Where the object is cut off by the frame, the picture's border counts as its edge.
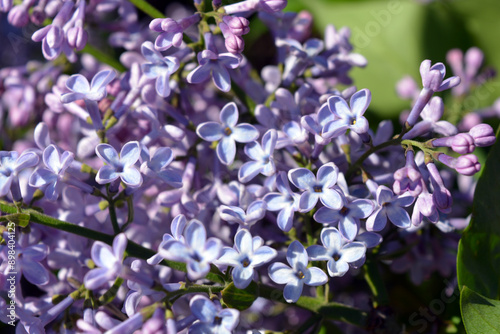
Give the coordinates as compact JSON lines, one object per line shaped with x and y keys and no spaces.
{"x":480,"y":314}
{"x":240,"y":299}
{"x":20,"y":219}
{"x":478,"y":259}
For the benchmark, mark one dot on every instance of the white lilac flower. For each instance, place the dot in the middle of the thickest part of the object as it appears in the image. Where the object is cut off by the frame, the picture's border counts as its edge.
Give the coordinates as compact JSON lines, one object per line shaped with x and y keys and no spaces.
{"x":337,"y":251}
{"x":297,"y":274}
{"x":249,"y":253}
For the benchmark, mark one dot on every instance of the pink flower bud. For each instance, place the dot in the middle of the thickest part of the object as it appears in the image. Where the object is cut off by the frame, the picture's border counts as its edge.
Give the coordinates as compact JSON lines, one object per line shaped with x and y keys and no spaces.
{"x":463,"y":143}
{"x":483,"y":135}
{"x":467,"y":165}
{"x":237,"y":25}
{"x":234,"y":44}
{"x":18,"y":16}
{"x":77,"y":38}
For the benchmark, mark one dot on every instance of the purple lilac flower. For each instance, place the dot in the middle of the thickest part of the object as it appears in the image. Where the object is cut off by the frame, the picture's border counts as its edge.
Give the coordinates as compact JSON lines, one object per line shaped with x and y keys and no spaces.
{"x":177,"y":228}
{"x":212,"y":318}
{"x":11,"y":164}
{"x":337,"y":251}
{"x":432,"y":81}
{"x":121,"y":166}
{"x":298,"y":274}
{"x":233,"y":214}
{"x":214,"y":65}
{"x":196,"y":251}
{"x":348,"y":118}
{"x":96,"y":91}
{"x":390,"y":207}
{"x":473,"y":59}
{"x":109,"y":260}
{"x":317,"y":188}
{"x":248,"y":253}
{"x":262,"y":157}
{"x":316,"y":123}
{"x":348,"y":217}
{"x":442,"y":196}
{"x":158,"y":166}
{"x":431,"y":115}
{"x":286,"y":202}
{"x":408,"y":178}
{"x":171,"y":31}
{"x":227,"y":132}
{"x":159,"y":68}
{"x":465,"y":164}
{"x":483,"y":135}
{"x":424,"y":207}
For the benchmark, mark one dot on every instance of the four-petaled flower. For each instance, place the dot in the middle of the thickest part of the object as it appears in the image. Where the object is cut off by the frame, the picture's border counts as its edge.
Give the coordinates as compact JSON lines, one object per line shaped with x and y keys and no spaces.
{"x":227,"y":132}
{"x":158,"y":166}
{"x":52,"y":177}
{"x":196,"y":251}
{"x":317,"y":188}
{"x":249,"y":253}
{"x":11,"y":163}
{"x":234,"y":214}
{"x":212,"y":317}
{"x":159,"y":68}
{"x":390,"y":208}
{"x":348,"y":118}
{"x":348,"y":217}
{"x":298,"y":274}
{"x":337,"y":251}
{"x":262,"y":157}
{"x":119,"y":166}
{"x":286,"y":202}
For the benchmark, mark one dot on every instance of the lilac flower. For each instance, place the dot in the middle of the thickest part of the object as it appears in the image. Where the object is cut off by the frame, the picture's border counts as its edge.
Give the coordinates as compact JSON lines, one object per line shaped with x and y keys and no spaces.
{"x":96,"y":91}
{"x":262,"y":157}
{"x":337,"y":251}
{"x":483,"y":135}
{"x":171,"y":31}
{"x":286,"y":202}
{"x":298,"y":274}
{"x":212,"y":318}
{"x":348,"y":217}
{"x":473,"y":59}
{"x":465,"y":164}
{"x":109,"y":260}
{"x":432,"y":81}
{"x":159,"y":68}
{"x":177,"y":228}
{"x":431,"y":115}
{"x":442,"y":196}
{"x":233,"y":214}
{"x":348,"y":118}
{"x":424,"y":207}
{"x":215,"y":65}
{"x":317,"y":188}
{"x":11,"y":164}
{"x":316,"y":123}
{"x":227,"y":132}
{"x":390,"y":208}
{"x":158,"y":166}
{"x":119,"y":166}
{"x":249,"y":253}
{"x":196,"y":251}
{"x":52,"y":177}
{"x":408,"y":178}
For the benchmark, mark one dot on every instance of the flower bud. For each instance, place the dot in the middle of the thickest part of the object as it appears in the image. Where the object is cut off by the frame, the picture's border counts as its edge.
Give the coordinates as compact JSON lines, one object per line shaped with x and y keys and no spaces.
{"x":467,"y":165}
{"x":234,"y":44}
{"x":463,"y":143}
{"x":237,"y":25}
{"x":483,"y":135}
{"x":77,"y":38}
{"x":18,"y":16}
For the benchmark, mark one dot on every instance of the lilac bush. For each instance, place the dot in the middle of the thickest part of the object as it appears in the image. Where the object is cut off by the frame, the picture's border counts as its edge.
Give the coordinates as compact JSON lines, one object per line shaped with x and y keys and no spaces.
{"x":238,"y":191}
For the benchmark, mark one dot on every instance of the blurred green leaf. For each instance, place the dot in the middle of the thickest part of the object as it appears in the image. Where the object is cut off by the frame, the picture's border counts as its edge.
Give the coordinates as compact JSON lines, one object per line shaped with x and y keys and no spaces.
{"x":240,"y":299}
{"x":480,"y":314}
{"x":478,"y":260}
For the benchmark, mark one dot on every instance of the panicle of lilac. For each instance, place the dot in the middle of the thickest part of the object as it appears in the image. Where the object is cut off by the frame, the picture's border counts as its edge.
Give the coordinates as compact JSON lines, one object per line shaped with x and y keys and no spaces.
{"x":465,"y":164}
{"x":53,"y":36}
{"x":89,"y":93}
{"x":171,"y":31}
{"x":11,"y":164}
{"x":432,"y":81}
{"x":285,"y":201}
{"x":233,"y":214}
{"x":211,"y":317}
{"x":431,"y":116}
{"x":337,"y":251}
{"x":408,"y":178}
{"x":262,"y":156}
{"x":159,"y":68}
{"x":248,"y":253}
{"x":216,"y":66}
{"x":249,"y":6}
{"x":297,"y":273}
{"x":442,"y":196}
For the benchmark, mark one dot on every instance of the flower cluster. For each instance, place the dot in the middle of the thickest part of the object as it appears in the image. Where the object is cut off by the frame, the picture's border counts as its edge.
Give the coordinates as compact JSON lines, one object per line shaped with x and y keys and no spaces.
{"x":183,"y":188}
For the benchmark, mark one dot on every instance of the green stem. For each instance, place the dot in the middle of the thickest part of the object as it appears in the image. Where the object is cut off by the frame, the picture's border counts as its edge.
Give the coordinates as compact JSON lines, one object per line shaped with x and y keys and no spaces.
{"x":375,"y":282}
{"x":113,"y":217}
{"x":365,"y":155}
{"x":195,"y":289}
{"x":133,"y":249}
{"x":148,"y":9}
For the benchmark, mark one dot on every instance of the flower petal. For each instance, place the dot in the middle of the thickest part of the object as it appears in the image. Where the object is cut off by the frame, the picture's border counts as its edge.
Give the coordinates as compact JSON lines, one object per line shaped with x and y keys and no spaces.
{"x":229,"y":114}
{"x":360,"y":101}
{"x":226,"y":150}
{"x":210,"y":131}
{"x":315,"y":277}
{"x":302,"y":178}
{"x":280,"y":273}
{"x":353,"y":251}
{"x":398,"y":216}
{"x":78,"y":84}
{"x":249,"y":170}
{"x":245,"y":133}
{"x":332,"y":199}
{"x":293,"y":290}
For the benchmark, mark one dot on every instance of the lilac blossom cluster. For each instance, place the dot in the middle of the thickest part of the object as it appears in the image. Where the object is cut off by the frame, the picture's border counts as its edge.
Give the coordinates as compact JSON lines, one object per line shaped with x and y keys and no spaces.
{"x":161,"y":186}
